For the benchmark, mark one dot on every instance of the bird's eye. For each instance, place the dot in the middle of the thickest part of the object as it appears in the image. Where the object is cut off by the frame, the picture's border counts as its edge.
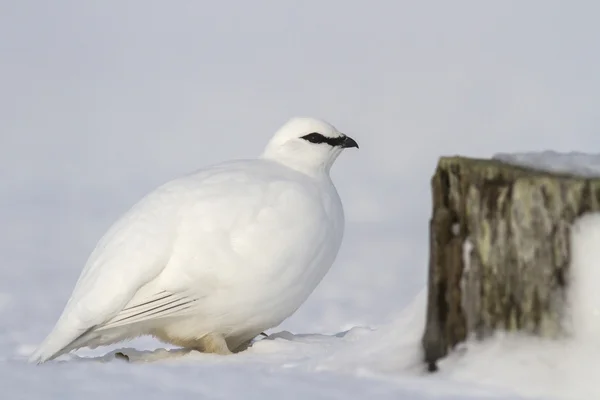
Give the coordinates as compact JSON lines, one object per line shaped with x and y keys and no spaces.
{"x":314,"y":137}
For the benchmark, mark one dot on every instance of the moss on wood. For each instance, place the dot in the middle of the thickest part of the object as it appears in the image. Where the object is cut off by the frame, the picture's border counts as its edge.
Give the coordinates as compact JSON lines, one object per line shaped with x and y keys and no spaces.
{"x":514,"y":272}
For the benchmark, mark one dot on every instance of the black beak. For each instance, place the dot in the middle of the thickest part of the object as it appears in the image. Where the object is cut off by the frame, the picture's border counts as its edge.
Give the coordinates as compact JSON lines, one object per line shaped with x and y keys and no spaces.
{"x":349,"y":142}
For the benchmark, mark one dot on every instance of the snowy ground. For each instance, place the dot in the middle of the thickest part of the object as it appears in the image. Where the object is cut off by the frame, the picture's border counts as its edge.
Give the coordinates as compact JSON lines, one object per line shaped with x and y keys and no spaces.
{"x":375,"y":351}
{"x":102,"y":101}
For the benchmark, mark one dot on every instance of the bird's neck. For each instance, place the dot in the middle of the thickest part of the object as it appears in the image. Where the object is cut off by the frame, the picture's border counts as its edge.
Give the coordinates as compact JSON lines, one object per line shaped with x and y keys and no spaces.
{"x":299,"y":163}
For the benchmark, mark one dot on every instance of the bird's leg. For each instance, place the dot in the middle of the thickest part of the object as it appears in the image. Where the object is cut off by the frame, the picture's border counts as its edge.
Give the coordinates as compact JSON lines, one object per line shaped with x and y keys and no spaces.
{"x":245,"y":345}
{"x":212,"y":343}
{"x":242,"y":347}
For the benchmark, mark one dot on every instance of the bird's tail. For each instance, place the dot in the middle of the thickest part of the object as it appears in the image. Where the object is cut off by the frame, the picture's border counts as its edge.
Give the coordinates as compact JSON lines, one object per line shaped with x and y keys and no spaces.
{"x":62,"y":341}
{"x":58,"y":342}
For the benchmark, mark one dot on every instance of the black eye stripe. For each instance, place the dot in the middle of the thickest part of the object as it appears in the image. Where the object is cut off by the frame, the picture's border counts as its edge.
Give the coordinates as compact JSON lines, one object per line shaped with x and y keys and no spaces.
{"x":316,"y":137}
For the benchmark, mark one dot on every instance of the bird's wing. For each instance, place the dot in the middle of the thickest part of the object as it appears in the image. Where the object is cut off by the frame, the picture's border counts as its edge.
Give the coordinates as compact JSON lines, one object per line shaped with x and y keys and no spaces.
{"x":132,"y":253}
{"x":160,"y":304}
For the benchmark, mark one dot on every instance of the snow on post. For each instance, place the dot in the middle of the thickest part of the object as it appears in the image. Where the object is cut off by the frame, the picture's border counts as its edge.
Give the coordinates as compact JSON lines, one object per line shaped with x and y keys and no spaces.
{"x":500,"y":248}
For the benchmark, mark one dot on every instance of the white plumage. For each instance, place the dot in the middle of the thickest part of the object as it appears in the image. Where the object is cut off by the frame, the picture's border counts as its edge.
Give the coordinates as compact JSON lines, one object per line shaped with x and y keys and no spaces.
{"x":210,"y":260}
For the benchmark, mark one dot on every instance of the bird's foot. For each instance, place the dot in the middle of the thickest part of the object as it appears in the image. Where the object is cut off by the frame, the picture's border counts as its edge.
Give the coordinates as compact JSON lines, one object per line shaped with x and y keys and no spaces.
{"x":135,"y":357}
{"x":213,"y":343}
{"x":122,"y":356}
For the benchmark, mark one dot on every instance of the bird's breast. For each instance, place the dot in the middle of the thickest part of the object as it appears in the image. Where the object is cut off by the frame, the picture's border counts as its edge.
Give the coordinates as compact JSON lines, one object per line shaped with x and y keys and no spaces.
{"x":262,"y":256}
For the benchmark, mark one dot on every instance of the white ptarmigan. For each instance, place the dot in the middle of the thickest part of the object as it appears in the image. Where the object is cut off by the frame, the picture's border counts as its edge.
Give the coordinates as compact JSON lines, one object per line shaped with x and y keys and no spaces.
{"x":210,"y":260}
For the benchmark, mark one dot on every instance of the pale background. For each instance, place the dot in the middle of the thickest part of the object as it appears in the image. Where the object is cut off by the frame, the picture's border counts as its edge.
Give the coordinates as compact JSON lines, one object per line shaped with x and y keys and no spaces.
{"x":100,"y":102}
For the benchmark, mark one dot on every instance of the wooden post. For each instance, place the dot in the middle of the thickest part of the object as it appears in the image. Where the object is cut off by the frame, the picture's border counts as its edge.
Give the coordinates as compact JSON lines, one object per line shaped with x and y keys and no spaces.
{"x":499,"y":250}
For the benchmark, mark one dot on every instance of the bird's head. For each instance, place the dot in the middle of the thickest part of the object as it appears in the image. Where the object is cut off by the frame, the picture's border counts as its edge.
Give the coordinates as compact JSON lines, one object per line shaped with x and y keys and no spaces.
{"x":309,"y":145}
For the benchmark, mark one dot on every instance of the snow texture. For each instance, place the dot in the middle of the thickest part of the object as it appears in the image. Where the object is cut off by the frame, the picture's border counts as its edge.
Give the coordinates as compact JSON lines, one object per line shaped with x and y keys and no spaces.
{"x":381,"y":360}
{"x":574,"y":163}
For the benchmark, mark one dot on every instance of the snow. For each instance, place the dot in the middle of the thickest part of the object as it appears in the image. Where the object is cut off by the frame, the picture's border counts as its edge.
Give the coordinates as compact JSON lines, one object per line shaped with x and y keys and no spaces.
{"x":354,"y":364}
{"x":381,"y":359}
{"x":100,"y":103}
{"x":585,"y":275}
{"x":575,"y":163}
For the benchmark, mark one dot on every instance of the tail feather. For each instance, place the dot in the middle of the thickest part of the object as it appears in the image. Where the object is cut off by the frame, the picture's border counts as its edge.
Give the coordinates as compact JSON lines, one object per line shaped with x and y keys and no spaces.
{"x":58,"y":342}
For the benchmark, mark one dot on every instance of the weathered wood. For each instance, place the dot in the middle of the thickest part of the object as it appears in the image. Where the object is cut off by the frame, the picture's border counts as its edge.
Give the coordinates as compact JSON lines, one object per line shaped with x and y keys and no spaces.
{"x":499,"y":250}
